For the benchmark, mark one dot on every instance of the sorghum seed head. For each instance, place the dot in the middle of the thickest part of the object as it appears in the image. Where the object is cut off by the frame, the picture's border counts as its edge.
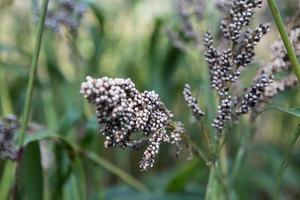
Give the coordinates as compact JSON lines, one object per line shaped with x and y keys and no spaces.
{"x":122,"y":111}
{"x":192,"y":102}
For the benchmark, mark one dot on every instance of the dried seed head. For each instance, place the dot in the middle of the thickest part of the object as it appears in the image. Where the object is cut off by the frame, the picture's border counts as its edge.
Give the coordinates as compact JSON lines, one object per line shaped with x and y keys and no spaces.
{"x":224,"y":113}
{"x":255,"y":94}
{"x":240,"y":15}
{"x":246,"y":52}
{"x":122,"y":110}
{"x":192,"y":102}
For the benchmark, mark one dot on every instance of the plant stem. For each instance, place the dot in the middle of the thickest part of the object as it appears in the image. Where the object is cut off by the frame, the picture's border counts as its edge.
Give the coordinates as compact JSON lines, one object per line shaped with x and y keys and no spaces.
{"x":33,"y":69}
{"x":285,"y":37}
{"x":210,"y":184}
{"x":242,"y":148}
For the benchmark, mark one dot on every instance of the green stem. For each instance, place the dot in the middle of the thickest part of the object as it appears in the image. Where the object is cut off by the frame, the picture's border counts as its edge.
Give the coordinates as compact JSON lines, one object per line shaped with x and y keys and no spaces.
{"x":210,"y":184}
{"x":33,"y":69}
{"x":242,"y":148}
{"x":285,"y":37}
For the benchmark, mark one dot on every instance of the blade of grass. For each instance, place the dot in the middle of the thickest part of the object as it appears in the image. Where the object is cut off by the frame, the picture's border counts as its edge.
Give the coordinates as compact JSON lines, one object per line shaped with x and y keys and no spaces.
{"x":33,"y":69}
{"x":287,"y":158}
{"x":285,"y":37}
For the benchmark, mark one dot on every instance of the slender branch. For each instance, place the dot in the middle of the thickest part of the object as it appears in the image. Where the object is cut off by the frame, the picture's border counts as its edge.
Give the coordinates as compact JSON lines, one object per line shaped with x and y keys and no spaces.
{"x":285,"y":37}
{"x":33,"y":69}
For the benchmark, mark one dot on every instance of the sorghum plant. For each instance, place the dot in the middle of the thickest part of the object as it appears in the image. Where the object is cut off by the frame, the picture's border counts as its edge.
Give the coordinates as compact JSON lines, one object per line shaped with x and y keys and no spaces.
{"x":227,"y":63}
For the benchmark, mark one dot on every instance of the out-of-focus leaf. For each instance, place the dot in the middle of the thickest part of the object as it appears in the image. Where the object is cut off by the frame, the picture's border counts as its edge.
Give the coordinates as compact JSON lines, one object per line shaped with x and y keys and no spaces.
{"x":181,"y":178}
{"x":51,"y":57}
{"x":31,"y":173}
{"x":71,"y":190}
{"x":292,"y":111}
{"x":124,"y":193}
{"x":286,"y":161}
{"x":69,"y":120}
{"x":154,"y":40}
{"x":12,"y":49}
{"x":170,"y":62}
{"x":115,"y":170}
{"x":79,"y":178}
{"x":98,"y":14}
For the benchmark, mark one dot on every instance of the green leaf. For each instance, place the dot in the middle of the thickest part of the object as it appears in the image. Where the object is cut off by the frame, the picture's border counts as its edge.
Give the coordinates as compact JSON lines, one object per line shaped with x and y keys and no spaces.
{"x":31,"y":173}
{"x":292,"y":111}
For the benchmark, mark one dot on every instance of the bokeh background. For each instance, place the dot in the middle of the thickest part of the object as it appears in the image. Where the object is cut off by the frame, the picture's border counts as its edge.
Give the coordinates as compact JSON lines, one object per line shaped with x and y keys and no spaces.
{"x":129,"y":39}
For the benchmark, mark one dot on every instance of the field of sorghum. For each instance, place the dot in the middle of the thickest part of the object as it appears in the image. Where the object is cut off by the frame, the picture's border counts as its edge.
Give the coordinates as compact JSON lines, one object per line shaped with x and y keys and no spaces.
{"x":136,"y":99}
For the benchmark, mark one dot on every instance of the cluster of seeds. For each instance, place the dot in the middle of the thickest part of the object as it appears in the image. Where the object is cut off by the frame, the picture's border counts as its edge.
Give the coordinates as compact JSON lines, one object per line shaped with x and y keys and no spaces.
{"x":224,"y":113}
{"x":240,"y":15}
{"x":246,"y":52}
{"x":122,"y":110}
{"x":192,"y":102}
{"x":8,"y":128}
{"x":255,"y":94}
{"x":63,"y":13}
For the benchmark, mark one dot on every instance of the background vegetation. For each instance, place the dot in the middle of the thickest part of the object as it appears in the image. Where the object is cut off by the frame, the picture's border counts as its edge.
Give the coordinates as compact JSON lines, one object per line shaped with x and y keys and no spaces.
{"x":127,"y":38}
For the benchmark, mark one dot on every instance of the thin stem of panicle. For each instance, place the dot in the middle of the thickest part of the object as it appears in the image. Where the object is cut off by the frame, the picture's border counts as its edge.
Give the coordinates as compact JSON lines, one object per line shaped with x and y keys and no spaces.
{"x":33,"y":69}
{"x":285,"y":37}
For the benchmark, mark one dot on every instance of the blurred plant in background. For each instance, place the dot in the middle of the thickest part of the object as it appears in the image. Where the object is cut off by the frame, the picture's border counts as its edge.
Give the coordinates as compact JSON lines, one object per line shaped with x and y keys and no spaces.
{"x":158,"y":45}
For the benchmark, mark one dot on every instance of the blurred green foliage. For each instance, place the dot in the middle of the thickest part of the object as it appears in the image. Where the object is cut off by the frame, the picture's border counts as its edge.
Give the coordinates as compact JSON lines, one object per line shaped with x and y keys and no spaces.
{"x":126,"y":38}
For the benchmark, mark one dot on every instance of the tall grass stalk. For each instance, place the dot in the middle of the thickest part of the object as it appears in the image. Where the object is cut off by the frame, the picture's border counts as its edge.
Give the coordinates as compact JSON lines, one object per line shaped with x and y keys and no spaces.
{"x":285,"y":37}
{"x":10,"y":167}
{"x":33,"y":69}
